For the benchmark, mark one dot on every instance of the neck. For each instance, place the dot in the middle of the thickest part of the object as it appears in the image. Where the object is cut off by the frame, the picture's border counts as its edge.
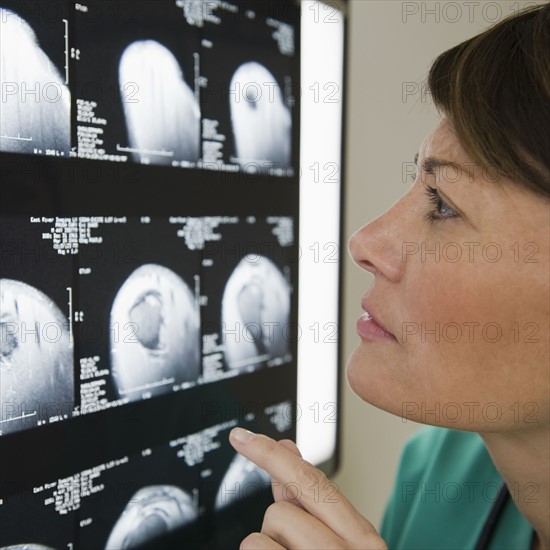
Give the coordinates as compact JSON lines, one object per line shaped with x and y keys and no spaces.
{"x":523,"y":459}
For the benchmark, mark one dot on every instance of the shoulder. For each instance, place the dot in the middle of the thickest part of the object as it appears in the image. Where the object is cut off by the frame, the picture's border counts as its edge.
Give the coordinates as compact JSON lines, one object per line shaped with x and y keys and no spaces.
{"x":442,"y":449}
{"x":442,"y":474}
{"x":443,"y":460}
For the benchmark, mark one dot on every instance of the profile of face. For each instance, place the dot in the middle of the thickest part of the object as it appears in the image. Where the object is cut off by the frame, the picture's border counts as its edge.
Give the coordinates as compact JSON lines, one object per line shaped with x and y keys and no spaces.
{"x":466,"y":296}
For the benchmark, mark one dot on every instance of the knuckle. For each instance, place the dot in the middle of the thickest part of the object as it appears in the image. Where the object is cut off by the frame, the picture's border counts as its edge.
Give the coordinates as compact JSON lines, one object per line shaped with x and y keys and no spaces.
{"x":379,"y":544}
{"x":275,"y":515}
{"x":251,"y":541}
{"x":266,"y":450}
{"x":272,"y":513}
{"x":371,"y":540}
{"x":307,"y":475}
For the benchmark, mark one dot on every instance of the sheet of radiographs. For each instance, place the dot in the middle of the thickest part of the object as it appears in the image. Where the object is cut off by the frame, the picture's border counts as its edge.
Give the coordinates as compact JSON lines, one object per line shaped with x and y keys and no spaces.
{"x":98,"y":313}
{"x":133,"y":499}
{"x":153,"y":306}
{"x":152,"y":82}
{"x":149,"y":259}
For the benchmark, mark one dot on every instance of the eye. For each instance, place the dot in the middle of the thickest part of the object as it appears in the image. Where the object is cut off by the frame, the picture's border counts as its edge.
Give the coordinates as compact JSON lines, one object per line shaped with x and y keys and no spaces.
{"x":441,"y":210}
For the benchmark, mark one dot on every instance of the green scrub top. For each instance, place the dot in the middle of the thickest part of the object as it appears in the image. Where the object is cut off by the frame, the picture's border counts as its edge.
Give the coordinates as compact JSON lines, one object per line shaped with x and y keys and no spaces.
{"x":446,"y":486}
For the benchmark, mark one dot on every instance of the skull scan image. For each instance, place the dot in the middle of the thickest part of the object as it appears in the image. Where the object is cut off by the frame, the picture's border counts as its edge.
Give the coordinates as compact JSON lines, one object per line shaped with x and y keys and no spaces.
{"x":152,"y":512}
{"x":242,"y":479}
{"x":36,"y":357}
{"x":162,"y":114}
{"x":260,"y":119}
{"x":159,"y":323}
{"x":35,"y":107}
{"x":255,"y":314}
{"x":30,"y":546}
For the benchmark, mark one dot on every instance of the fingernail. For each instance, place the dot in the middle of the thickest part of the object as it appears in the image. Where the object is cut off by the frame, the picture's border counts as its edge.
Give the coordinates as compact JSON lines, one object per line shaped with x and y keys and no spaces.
{"x":242,"y":436}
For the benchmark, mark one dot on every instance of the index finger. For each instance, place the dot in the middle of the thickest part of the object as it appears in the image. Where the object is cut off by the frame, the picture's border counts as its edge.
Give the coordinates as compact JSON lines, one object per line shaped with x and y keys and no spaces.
{"x":279,"y":491}
{"x":315,"y":492}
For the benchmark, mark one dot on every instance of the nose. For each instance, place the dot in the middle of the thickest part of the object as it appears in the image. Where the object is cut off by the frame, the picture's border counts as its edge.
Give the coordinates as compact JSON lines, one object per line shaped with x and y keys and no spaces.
{"x":377,"y":246}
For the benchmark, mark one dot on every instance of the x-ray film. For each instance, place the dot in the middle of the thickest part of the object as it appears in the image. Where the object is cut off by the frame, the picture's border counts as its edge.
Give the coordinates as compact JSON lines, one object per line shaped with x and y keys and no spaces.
{"x":248,"y":108}
{"x":137,"y":98}
{"x":138,"y":293}
{"x":36,"y":102}
{"x":242,"y":479}
{"x":152,"y":512}
{"x":256,"y":300}
{"x":247,"y":279}
{"x":164,"y":351}
{"x":36,"y":338}
{"x":26,"y":547}
{"x":261,"y":121}
{"x":36,"y":357}
{"x":163,"y":121}
{"x":148,"y":267}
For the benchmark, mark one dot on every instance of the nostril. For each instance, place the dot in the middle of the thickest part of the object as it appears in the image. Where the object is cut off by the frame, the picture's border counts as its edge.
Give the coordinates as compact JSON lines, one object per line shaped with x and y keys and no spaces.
{"x":369,"y":266}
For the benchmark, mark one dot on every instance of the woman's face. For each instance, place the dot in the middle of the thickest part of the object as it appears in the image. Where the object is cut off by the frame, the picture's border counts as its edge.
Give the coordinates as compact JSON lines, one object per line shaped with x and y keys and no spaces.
{"x":466,"y":297}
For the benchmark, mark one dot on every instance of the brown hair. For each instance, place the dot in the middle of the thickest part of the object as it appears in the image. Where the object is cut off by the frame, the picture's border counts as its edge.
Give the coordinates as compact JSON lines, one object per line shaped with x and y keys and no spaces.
{"x":495,"y":91}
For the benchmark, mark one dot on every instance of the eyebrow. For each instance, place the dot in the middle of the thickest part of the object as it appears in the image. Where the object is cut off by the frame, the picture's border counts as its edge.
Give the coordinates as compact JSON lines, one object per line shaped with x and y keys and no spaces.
{"x":429,"y":164}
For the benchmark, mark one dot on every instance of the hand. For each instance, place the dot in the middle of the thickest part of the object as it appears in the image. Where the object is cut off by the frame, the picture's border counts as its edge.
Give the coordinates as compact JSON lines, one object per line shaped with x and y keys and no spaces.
{"x":309,"y":511}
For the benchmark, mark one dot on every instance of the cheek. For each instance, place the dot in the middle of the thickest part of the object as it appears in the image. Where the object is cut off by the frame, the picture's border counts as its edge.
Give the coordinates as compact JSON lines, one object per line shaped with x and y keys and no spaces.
{"x":415,"y":369}
{"x":433,"y":294}
{"x":462,"y":347}
{"x":480,"y":336}
{"x":460,"y":326}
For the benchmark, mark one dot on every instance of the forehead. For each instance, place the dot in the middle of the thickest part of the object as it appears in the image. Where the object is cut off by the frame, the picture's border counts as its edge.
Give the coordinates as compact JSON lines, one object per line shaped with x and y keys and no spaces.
{"x":442,"y":142}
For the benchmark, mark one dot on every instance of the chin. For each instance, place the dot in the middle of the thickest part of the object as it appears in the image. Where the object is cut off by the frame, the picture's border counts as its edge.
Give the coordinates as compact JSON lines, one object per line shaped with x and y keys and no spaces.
{"x":395,"y":386}
{"x":371,"y":376}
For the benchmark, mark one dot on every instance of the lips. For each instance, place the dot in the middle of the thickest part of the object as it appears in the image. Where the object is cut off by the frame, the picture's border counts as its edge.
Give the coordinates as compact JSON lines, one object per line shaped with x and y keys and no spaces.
{"x":370,"y":329}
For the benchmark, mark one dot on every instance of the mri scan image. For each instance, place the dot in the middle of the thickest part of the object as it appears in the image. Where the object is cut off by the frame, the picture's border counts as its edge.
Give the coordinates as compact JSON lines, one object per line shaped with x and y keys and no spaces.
{"x":35,"y":107}
{"x":242,"y":479}
{"x":152,"y":512}
{"x":26,"y":547}
{"x":162,"y":113}
{"x":260,"y":119}
{"x":36,"y":357}
{"x":255,"y":303}
{"x":156,"y":309}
